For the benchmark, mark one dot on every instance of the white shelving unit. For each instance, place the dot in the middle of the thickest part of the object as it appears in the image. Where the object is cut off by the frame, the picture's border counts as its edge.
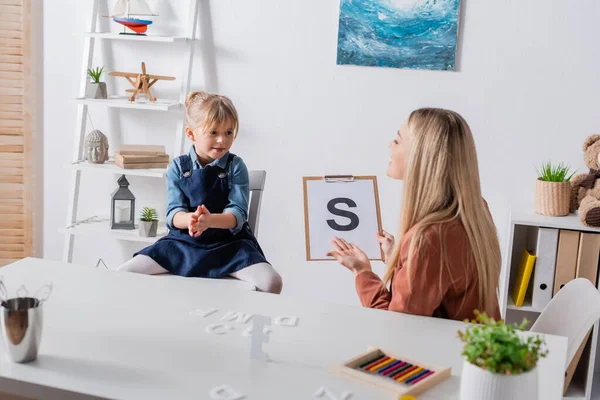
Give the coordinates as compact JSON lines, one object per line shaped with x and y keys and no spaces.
{"x":101,"y":226}
{"x":520,"y":222}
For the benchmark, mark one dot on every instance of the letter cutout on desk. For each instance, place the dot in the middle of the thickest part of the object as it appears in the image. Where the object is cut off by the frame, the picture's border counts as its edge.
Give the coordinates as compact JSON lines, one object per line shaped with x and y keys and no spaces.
{"x":259,"y":337}
{"x":323,"y":391}
{"x":239,"y":317}
{"x":225,"y":392}
{"x":218,"y":329}
{"x":286,"y":321}
{"x":346,"y":208}
{"x":203,"y":313}
{"x":248,"y":331}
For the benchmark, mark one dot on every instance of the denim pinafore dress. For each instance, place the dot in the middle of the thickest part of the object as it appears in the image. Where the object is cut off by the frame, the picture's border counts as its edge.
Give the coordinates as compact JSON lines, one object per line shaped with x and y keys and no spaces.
{"x":216,"y":253}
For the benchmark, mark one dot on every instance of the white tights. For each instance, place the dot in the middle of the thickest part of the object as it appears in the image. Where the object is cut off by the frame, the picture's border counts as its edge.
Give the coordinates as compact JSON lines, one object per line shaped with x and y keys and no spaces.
{"x":262,"y":275}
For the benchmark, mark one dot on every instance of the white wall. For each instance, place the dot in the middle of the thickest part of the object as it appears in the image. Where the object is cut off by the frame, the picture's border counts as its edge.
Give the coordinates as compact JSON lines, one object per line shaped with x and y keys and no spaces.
{"x":528,"y":84}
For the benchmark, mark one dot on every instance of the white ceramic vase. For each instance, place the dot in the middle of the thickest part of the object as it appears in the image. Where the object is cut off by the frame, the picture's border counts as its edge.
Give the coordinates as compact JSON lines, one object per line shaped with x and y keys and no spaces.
{"x":478,"y":384}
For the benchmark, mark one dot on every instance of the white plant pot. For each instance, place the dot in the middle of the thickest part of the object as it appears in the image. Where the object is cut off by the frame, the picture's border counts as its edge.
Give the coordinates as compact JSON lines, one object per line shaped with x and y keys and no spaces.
{"x":478,"y":384}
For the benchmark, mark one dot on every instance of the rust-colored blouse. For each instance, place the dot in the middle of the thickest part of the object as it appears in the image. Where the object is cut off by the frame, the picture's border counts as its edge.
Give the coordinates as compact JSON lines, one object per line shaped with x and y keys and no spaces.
{"x":455,"y":298}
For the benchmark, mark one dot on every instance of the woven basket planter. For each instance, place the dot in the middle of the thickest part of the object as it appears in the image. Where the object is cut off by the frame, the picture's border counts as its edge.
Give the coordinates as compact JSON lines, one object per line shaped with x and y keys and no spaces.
{"x":552,"y":198}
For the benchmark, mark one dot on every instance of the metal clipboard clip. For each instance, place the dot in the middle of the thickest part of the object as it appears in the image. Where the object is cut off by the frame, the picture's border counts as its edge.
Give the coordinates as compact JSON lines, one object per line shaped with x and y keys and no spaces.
{"x":339,"y":178}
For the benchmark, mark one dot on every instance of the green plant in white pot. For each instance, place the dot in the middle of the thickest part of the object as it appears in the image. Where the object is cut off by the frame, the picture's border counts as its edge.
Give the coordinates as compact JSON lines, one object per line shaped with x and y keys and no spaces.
{"x":96,"y":89}
{"x":499,"y":362}
{"x":148,"y":222}
{"x":553,"y":189}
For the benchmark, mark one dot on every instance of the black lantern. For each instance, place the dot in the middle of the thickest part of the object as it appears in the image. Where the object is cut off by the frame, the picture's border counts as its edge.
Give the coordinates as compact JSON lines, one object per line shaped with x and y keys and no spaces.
{"x":122,"y":210}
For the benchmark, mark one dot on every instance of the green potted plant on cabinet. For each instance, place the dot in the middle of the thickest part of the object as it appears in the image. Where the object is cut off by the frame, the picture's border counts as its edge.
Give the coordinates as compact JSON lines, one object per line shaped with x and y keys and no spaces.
{"x":553,"y":189}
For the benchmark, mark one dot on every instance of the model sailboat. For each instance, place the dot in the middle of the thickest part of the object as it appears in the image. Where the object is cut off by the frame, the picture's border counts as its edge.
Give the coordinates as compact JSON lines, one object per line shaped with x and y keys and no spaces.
{"x":126,"y":11}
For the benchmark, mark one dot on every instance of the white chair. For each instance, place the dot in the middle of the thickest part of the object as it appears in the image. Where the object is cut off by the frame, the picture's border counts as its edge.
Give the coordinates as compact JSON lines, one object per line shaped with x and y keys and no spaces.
{"x":257,"y":186}
{"x":571,"y":313}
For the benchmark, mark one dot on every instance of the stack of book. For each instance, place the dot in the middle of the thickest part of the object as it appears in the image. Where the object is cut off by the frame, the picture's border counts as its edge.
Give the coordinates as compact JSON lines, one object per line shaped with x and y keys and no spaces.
{"x":137,"y":156}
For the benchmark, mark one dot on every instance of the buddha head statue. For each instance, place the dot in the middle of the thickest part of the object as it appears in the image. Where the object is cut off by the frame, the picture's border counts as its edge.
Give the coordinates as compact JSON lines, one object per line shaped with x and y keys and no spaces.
{"x":96,"y":147}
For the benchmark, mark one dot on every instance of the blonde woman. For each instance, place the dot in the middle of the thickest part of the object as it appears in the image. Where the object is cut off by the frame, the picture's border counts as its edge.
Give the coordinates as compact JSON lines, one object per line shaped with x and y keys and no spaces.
{"x":447,"y":261}
{"x":207,"y":205}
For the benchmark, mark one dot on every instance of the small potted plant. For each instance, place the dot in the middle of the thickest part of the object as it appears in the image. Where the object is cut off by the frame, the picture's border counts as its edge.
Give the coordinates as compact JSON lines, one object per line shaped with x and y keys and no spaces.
{"x":148,"y":222}
{"x":553,"y":190}
{"x":96,"y":89}
{"x":499,"y":363}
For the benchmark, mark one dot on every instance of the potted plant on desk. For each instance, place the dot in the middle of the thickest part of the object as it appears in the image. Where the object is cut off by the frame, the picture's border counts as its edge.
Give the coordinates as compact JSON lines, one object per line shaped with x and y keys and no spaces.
{"x":96,"y":89}
{"x":553,"y":190}
{"x":148,"y":222}
{"x":499,"y":363}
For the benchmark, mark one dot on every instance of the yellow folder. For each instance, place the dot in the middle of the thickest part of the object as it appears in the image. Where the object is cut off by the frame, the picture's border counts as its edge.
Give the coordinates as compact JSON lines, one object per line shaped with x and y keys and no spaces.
{"x":523,"y":275}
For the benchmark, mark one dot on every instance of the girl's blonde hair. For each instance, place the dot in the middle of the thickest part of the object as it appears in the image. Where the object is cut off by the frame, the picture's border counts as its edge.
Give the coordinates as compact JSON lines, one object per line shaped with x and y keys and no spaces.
{"x":207,"y":110}
{"x":441,"y":183}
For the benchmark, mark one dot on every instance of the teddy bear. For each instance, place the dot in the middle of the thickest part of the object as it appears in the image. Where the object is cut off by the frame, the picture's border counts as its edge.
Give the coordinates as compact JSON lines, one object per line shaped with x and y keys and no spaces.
{"x":585,"y":188}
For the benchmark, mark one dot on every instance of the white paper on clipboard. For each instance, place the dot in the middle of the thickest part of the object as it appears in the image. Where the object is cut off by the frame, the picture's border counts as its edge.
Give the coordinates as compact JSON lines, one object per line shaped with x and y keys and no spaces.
{"x":347,"y":207}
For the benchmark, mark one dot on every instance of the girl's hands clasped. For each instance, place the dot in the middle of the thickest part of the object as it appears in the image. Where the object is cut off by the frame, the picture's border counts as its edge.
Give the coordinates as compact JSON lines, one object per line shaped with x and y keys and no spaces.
{"x":199,"y":221}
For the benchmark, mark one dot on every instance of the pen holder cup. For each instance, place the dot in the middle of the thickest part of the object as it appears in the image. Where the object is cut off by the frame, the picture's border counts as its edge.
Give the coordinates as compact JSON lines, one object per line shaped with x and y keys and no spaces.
{"x":21,"y":321}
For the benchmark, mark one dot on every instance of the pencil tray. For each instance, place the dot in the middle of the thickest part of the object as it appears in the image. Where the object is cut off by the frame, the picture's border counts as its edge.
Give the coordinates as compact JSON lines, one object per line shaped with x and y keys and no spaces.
{"x":400,"y":375}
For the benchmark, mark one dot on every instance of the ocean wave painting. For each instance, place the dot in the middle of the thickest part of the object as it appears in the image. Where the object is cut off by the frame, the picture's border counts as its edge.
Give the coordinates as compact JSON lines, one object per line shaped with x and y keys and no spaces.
{"x":418,"y":34}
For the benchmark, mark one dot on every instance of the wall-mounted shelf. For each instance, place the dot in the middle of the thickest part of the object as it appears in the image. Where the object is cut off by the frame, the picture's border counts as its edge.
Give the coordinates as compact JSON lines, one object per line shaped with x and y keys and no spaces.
{"x":101,"y":227}
{"x":140,"y":103}
{"x":137,"y":38}
{"x":510,"y":305}
{"x":110,"y":167}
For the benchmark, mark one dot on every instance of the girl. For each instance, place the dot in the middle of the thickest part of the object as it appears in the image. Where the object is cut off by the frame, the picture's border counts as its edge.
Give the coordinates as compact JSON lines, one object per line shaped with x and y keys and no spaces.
{"x":207,"y":206}
{"x":447,"y":263}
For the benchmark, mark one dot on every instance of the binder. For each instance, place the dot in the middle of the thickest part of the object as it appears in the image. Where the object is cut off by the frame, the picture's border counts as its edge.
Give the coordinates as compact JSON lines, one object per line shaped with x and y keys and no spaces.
{"x":587,"y":257}
{"x":523,"y":275}
{"x":566,"y":258}
{"x":308,"y":181}
{"x":546,"y":245}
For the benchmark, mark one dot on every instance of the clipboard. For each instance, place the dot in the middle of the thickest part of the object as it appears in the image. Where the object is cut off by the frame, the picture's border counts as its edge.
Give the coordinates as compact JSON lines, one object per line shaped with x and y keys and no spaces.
{"x":339,"y":180}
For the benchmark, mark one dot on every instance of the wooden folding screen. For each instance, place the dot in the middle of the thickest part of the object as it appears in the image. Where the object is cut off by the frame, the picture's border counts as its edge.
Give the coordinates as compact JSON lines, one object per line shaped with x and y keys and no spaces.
{"x":16,"y":116}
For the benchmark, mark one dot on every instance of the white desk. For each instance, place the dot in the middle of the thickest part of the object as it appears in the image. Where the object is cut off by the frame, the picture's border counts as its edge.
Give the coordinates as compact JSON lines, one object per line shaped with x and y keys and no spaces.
{"x":128,"y":336}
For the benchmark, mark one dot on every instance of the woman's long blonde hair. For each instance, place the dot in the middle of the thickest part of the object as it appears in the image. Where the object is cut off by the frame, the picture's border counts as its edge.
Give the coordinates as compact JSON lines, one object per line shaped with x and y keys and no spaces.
{"x":441,"y":182}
